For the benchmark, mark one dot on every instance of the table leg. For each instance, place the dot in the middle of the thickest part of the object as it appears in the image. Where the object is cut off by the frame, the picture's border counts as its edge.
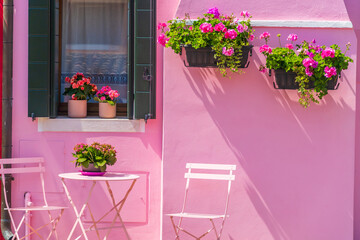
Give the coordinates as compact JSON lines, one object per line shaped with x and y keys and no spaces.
{"x":122,"y":201}
{"x":78,"y":214}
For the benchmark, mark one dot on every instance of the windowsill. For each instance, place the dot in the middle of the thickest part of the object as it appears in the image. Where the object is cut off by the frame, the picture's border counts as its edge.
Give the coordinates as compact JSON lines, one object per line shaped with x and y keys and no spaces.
{"x":90,"y":124}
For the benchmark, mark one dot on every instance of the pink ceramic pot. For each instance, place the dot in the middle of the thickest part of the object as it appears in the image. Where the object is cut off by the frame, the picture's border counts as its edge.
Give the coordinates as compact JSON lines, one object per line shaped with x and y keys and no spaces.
{"x":106,"y":110}
{"x":77,"y":108}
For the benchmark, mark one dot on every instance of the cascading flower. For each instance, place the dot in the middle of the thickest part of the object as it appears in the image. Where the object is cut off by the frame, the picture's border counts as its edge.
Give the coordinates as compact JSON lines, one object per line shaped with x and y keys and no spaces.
{"x":328,"y":52}
{"x":309,"y":62}
{"x":265,"y":48}
{"x":206,"y":27}
{"x":251,"y":37}
{"x":232,"y":34}
{"x":214,"y":11}
{"x":161,"y":26}
{"x":329,"y":72}
{"x":228,"y":52}
{"x":162,"y":39}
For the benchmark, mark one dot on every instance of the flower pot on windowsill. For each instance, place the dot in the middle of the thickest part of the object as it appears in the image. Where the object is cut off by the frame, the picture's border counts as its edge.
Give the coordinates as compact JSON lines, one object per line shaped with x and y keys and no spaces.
{"x":204,"y":57}
{"x":286,"y":80}
{"x":77,"y":108}
{"x":106,"y":110}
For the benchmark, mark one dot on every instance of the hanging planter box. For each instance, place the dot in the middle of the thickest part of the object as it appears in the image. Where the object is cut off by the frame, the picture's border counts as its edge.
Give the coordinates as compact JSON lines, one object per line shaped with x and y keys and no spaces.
{"x":204,"y":57}
{"x":286,"y":80}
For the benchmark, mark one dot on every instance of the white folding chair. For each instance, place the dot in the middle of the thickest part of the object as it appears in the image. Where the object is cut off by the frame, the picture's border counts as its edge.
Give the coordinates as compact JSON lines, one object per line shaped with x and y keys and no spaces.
{"x":213,"y":174}
{"x":30,"y":165}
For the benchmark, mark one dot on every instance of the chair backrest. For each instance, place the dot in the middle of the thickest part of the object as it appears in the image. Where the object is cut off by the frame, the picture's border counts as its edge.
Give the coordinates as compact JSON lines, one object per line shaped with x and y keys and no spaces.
{"x":215,"y":172}
{"x":21,"y":166}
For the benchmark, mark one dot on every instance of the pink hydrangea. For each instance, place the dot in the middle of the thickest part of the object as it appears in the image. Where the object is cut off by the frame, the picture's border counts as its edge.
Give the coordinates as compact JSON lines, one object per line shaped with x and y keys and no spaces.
{"x":265,"y":35}
{"x":265,"y":48}
{"x":219,"y":27}
{"x":329,"y":72}
{"x":206,"y":27}
{"x":292,"y":37}
{"x":309,"y":62}
{"x":232,"y":34}
{"x":289,"y":46}
{"x":228,"y":52}
{"x":328,"y":52}
{"x":245,"y":14}
{"x":214,"y":11}
{"x":251,"y":37}
{"x":162,"y":39}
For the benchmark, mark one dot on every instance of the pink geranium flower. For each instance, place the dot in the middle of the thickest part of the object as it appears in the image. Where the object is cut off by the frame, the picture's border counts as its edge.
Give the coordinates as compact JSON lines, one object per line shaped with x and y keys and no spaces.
{"x":240,"y":28}
{"x":309,"y":62}
{"x":328,"y":52}
{"x":214,"y":11}
{"x":228,"y":52}
{"x":162,"y":39}
{"x":264,"y":35}
{"x":329,"y":72}
{"x":232,"y":34}
{"x":289,"y":46}
{"x":251,"y":37}
{"x":308,"y":72}
{"x":292,"y":37}
{"x":265,"y":48}
{"x":206,"y":27}
{"x":161,"y":26}
{"x":219,"y":27}
{"x":245,"y":14}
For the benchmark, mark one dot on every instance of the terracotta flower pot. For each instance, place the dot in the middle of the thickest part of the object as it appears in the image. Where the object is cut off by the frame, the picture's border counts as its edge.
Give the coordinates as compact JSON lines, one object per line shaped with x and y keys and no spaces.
{"x":106,"y":110}
{"x":77,"y":108}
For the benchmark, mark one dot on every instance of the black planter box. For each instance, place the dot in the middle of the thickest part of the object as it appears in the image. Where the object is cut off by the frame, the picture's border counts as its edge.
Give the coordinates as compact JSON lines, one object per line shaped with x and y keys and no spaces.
{"x":204,"y":57}
{"x":286,"y":80}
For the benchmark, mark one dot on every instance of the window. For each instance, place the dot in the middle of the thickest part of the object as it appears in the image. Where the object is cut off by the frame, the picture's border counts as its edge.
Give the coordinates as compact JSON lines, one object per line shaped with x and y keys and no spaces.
{"x":112,"y":41}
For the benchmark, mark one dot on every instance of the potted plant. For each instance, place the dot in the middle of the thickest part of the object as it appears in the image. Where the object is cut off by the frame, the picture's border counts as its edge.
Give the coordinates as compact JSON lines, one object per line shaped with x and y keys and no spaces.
{"x":107,"y":102}
{"x":94,"y":158}
{"x":211,"y":41}
{"x":80,"y":90}
{"x":311,"y":69}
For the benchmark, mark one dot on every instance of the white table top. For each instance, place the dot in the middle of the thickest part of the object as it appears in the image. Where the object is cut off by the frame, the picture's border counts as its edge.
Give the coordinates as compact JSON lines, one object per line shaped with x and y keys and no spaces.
{"x":108,"y":176}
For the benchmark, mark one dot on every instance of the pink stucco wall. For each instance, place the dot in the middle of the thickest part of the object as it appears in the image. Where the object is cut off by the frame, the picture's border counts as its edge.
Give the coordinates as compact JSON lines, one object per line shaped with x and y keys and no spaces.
{"x":137,"y":153}
{"x":295,"y":176}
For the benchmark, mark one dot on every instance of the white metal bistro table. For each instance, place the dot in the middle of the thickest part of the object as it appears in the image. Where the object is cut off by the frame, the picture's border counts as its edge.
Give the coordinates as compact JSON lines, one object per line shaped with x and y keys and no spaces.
{"x":116,"y":206}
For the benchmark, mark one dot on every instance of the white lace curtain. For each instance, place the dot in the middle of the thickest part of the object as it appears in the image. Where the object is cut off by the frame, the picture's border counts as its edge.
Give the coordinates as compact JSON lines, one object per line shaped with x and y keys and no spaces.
{"x":94,"y":41}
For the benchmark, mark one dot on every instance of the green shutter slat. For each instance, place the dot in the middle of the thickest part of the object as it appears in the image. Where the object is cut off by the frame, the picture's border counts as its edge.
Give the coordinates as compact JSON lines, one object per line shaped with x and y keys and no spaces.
{"x":39,"y":58}
{"x":144,"y":59}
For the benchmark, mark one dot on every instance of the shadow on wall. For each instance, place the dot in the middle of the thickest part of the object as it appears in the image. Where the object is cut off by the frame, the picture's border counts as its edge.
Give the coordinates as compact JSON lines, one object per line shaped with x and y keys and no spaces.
{"x":289,"y":155}
{"x":352,"y":7}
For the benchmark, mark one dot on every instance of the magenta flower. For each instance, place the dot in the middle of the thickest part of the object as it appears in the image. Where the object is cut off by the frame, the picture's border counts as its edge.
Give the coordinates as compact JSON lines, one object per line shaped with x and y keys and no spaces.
{"x":190,"y":28}
{"x":161,"y":26}
{"x":245,"y":14}
{"x":219,"y":27}
{"x":228,"y":52}
{"x":232,"y":34}
{"x":289,"y":46}
{"x":308,"y":72}
{"x":162,"y":39}
{"x":206,"y":27}
{"x":262,"y":68}
{"x":329,"y":72}
{"x":328,"y":52}
{"x":214,"y":11}
{"x":292,"y":37}
{"x":265,"y":48}
{"x":251,"y":37}
{"x":313,"y":41}
{"x":309,"y":62}
{"x":240,"y":28}
{"x":265,"y":35}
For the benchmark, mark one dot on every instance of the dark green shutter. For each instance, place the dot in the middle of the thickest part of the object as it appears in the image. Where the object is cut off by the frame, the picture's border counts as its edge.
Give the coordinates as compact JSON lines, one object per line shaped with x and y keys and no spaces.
{"x":144,"y":59}
{"x":41,"y":55}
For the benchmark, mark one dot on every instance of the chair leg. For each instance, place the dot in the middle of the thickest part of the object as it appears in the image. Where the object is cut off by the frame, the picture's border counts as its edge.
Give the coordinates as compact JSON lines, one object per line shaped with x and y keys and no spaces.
{"x":175,"y":229}
{"x":214,"y":227}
